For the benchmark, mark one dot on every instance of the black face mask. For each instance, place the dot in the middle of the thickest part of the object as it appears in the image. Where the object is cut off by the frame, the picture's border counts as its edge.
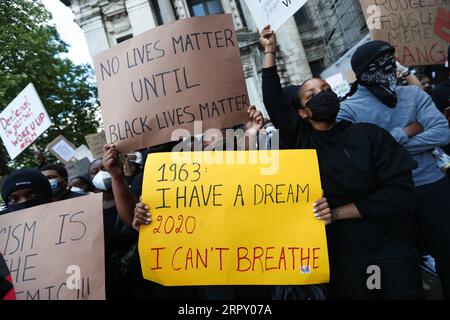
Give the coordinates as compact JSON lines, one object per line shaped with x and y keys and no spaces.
{"x":36,"y":201}
{"x":324,"y":106}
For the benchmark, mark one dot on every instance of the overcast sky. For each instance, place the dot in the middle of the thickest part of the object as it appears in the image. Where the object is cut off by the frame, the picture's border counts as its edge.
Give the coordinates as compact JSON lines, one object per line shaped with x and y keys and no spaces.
{"x":69,"y":31}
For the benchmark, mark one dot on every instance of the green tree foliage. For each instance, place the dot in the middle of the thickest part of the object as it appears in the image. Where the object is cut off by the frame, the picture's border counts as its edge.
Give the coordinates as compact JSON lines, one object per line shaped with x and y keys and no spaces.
{"x":32,"y":51}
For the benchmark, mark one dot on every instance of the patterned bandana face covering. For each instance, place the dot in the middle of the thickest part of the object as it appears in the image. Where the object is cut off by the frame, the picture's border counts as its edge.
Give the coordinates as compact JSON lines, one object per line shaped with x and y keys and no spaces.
{"x":383,"y":72}
{"x":380,"y":78}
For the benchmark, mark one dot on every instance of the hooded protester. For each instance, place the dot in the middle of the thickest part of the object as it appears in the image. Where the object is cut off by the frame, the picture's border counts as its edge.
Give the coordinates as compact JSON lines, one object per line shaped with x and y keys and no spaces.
{"x":26,"y":188}
{"x":413,"y":120}
{"x":366,"y":177}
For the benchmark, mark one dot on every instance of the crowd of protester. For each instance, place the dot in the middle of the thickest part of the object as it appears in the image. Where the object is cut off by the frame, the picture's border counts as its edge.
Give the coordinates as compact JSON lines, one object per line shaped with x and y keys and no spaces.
{"x":386,"y":201}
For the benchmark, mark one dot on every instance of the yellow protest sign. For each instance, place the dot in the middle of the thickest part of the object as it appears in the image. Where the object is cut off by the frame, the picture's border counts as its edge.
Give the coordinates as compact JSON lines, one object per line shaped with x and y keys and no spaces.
{"x":233,"y":217}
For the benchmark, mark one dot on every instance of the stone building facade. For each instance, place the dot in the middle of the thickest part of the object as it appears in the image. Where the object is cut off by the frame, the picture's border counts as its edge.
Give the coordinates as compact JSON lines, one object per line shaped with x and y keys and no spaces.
{"x":329,"y":29}
{"x":302,"y":45}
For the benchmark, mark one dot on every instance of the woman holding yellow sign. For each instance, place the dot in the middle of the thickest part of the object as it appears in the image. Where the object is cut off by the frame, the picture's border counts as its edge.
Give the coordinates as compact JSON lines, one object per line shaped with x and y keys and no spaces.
{"x":367,"y":180}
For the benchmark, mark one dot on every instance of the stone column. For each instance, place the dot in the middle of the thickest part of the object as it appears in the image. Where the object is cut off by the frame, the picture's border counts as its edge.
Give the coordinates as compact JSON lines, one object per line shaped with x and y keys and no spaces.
{"x":294,"y":55}
{"x":95,"y":33}
{"x":166,"y":10}
{"x":140,"y":16}
{"x":229,"y":6}
{"x":251,"y":25}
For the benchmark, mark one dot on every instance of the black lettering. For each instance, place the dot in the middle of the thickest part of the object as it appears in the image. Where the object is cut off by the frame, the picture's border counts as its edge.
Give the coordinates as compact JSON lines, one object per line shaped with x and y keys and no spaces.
{"x":140,"y":91}
{"x":163,"y":206}
{"x":207,"y":37}
{"x":239,"y":195}
{"x":25,"y":268}
{"x":228,"y":37}
{"x":80,"y":222}
{"x":144,"y":124}
{"x":268,"y":189}
{"x":215,"y":195}
{"x":113,"y":137}
{"x":186,"y":81}
{"x":61,"y":229}
{"x":177,"y":42}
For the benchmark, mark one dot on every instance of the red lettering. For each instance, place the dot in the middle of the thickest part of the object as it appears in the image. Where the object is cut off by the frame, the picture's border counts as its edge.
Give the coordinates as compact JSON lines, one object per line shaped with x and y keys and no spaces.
{"x":157,"y":258}
{"x":304,"y":258}
{"x":442,"y":24}
{"x":282,"y":258}
{"x":315,"y":258}
{"x":220,"y":255}
{"x":189,"y":257}
{"x":199,"y":257}
{"x":257,"y":256}
{"x":240,"y":257}
{"x":173,"y":258}
{"x":269,"y":258}
{"x":293,"y":256}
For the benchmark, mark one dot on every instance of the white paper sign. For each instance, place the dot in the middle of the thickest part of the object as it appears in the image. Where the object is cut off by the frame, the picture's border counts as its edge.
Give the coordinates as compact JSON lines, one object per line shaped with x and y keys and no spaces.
{"x":64,"y":150}
{"x":273,"y":12}
{"x":338,"y":84}
{"x":23,"y":121}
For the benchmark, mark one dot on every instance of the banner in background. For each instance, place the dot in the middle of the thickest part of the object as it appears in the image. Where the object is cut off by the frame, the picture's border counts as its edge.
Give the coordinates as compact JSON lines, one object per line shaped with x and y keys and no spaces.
{"x":419,"y":30}
{"x":62,"y":149}
{"x":23,"y":121}
{"x":95,"y":142}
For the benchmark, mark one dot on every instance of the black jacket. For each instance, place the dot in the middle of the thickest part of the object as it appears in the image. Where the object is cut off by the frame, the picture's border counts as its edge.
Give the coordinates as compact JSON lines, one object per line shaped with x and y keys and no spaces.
{"x":359,"y":163}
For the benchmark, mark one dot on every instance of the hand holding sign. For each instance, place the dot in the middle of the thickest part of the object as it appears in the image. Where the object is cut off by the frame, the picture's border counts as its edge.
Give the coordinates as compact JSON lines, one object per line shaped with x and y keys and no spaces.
{"x":111,"y":161}
{"x":141,"y":215}
{"x":207,"y":230}
{"x":268,"y":40}
{"x":170,"y":77}
{"x":273,"y":12}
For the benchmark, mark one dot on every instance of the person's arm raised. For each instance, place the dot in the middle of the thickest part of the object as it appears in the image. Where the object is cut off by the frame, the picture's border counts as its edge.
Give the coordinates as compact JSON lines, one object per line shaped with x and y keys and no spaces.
{"x":124,"y":198}
{"x":268,"y":41}
{"x":282,"y":115}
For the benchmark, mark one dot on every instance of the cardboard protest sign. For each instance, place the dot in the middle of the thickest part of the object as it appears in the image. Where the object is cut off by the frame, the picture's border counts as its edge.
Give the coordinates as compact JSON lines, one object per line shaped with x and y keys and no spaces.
{"x":95,"y":142}
{"x":273,"y":12}
{"x":56,"y":251}
{"x":169,"y":77}
{"x":78,"y":168}
{"x":62,"y":149}
{"x":23,"y":121}
{"x":83,"y":152}
{"x":420,"y":30}
{"x":211,"y":226}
